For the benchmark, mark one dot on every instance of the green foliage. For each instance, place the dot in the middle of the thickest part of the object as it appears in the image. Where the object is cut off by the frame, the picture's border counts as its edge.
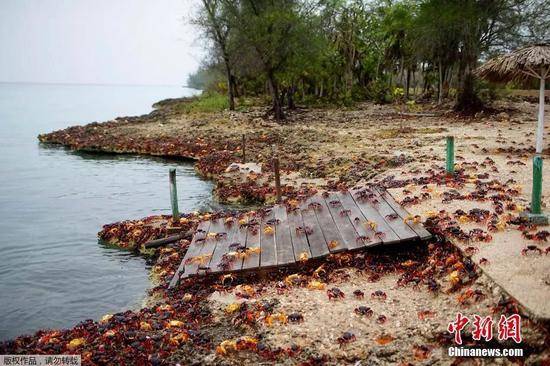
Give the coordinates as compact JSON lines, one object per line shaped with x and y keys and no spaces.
{"x":343,"y":51}
{"x":398,"y":94}
{"x":379,"y":91}
{"x":207,"y":77}
{"x":205,"y":103}
{"x":486,"y":91}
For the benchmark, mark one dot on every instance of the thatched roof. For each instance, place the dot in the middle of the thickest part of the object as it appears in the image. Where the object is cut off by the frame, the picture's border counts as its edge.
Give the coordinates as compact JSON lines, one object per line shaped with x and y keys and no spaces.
{"x":518,"y":65}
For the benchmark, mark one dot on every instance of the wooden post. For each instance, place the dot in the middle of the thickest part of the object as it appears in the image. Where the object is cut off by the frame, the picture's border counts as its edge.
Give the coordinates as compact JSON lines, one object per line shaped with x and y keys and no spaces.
{"x":174,"y":196}
{"x":277,"y":176}
{"x":244,"y":149}
{"x":450,"y":164}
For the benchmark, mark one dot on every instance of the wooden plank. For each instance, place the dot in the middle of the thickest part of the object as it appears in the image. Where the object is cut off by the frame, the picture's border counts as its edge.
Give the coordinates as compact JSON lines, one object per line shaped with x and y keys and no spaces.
{"x":418,"y":228}
{"x":305,"y":232}
{"x":240,"y":237}
{"x":192,"y":250}
{"x":371,"y":213}
{"x":343,"y":223}
{"x":268,"y":254}
{"x":315,"y":238}
{"x":285,"y":251}
{"x":357,"y":220}
{"x":207,"y":249}
{"x":381,"y":210}
{"x":299,"y":239}
{"x":222,"y":248}
{"x":328,"y":227}
{"x":252,"y":242}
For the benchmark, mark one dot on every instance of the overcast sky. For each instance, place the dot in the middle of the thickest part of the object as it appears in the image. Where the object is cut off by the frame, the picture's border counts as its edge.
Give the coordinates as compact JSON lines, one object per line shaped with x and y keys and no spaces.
{"x":98,"y":41}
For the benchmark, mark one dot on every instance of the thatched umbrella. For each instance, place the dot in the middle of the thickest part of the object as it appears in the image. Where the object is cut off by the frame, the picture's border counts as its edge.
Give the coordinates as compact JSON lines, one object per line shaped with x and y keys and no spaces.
{"x":524,"y":63}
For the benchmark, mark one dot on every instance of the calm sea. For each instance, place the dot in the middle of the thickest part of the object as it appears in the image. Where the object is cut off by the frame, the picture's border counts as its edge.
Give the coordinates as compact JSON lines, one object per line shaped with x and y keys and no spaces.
{"x":53,"y":271}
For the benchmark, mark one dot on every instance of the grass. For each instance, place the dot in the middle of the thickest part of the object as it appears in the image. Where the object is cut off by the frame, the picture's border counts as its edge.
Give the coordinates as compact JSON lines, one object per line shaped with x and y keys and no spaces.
{"x":205,"y":103}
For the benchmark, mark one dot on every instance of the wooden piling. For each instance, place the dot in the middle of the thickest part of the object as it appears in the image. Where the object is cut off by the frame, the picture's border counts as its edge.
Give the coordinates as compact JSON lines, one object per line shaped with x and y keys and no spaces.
{"x":174,"y":195}
{"x":277,"y":176}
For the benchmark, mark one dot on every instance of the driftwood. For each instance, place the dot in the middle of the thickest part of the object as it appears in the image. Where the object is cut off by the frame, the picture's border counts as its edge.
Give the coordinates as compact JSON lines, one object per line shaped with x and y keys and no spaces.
{"x":164,"y":241}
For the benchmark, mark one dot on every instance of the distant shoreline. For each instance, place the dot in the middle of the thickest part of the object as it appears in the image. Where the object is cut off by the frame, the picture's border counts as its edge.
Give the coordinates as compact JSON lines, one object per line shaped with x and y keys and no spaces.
{"x":90,"y":84}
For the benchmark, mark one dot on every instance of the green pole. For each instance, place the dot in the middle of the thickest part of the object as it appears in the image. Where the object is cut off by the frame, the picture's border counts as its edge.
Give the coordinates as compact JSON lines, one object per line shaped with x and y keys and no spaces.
{"x":537,"y":185}
{"x":174,"y":196}
{"x":450,"y":167}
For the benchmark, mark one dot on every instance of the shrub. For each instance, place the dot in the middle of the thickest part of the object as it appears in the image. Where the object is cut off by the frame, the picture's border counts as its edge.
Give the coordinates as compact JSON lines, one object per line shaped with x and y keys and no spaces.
{"x":206,"y":102}
{"x":486,"y":91}
{"x":379,"y":92}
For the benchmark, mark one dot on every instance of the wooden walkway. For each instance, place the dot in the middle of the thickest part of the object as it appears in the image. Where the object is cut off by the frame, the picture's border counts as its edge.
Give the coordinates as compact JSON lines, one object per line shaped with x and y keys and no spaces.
{"x":282,"y":235}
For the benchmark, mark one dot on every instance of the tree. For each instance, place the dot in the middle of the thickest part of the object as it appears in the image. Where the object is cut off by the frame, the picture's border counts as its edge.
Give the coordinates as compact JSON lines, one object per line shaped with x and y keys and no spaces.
{"x":206,"y":77}
{"x":467,"y":29}
{"x":214,"y":22}
{"x":273,"y":30}
{"x":397,"y":28}
{"x":347,"y":50}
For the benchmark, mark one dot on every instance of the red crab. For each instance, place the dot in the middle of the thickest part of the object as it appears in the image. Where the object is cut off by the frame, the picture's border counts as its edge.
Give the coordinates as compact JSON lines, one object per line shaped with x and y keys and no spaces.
{"x":364,"y":310}
{"x":381,"y":319}
{"x":304,"y":230}
{"x":538,"y":236}
{"x":531,"y":249}
{"x":315,"y":206}
{"x":345,"y":212}
{"x":335,"y":293}
{"x":359,"y":294}
{"x":273,"y":222}
{"x":378,"y":294}
{"x":347,"y":337}
{"x":295,"y":318}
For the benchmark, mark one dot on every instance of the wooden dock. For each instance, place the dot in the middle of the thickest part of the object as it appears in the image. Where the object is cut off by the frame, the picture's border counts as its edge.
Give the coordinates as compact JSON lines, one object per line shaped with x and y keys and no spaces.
{"x":286,"y":235}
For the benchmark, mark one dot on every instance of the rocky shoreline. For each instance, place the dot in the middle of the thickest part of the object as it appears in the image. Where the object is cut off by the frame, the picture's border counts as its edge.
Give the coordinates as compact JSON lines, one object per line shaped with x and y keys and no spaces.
{"x":286,"y":317}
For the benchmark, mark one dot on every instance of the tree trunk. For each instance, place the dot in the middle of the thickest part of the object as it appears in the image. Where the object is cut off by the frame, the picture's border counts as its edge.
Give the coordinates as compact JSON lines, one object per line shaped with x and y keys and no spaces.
{"x":467,"y":100}
{"x":407,"y":84}
{"x":277,"y":107}
{"x":349,"y":81}
{"x":440,"y":85}
{"x":236,"y":93}
{"x":290,"y":97}
{"x":447,"y":81}
{"x":414,"y":82}
{"x":230,"y":84}
{"x":425,"y":87}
